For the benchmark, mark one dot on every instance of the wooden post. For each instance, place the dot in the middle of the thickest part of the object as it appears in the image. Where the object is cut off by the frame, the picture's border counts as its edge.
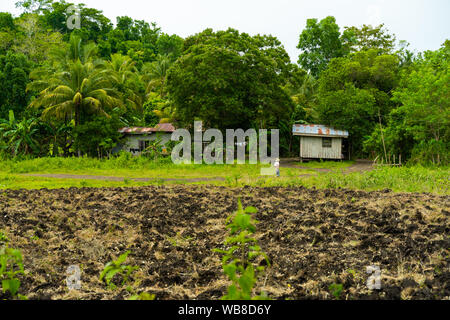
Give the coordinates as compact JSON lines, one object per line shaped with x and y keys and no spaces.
{"x":301,"y":159}
{"x":381,"y":131}
{"x":349,"y":152}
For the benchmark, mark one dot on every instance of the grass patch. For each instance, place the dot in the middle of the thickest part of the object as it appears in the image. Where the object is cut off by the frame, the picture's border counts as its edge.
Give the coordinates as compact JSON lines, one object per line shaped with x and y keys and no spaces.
{"x":128,"y":167}
{"x":403,"y":179}
{"x":10,"y":181}
{"x":326,"y":164}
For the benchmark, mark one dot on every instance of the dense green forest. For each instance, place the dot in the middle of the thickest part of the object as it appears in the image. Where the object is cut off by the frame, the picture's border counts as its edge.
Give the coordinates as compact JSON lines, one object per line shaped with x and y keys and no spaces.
{"x":66,"y":92}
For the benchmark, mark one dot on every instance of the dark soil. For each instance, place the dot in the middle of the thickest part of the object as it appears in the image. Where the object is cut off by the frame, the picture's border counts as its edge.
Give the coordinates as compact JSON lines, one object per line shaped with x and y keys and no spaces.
{"x":313,"y":238}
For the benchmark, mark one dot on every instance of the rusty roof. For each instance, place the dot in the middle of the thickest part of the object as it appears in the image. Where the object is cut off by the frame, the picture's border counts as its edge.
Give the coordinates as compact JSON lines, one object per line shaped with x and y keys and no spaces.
{"x":317,"y":130}
{"x":161,"y":127}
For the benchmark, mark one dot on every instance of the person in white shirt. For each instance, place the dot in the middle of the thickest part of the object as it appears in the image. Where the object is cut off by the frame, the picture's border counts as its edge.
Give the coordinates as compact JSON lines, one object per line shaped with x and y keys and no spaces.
{"x":276,"y":165}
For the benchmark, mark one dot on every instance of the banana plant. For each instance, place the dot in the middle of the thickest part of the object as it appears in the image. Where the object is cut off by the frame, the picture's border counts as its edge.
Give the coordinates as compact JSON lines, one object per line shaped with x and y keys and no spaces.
{"x":19,"y":136}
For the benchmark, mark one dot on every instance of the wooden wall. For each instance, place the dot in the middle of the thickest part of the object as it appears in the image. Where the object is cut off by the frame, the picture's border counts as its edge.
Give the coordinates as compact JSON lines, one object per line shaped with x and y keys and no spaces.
{"x":311,"y":148}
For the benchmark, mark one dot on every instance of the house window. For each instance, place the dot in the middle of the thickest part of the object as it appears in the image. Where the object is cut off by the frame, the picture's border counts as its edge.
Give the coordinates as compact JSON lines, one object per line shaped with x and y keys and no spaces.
{"x":143,"y":144}
{"x":326,"y":142}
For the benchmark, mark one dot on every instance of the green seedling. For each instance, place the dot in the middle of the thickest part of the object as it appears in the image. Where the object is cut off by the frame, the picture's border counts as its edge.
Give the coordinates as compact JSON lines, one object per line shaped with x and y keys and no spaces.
{"x":117,"y":267}
{"x":3,"y":238}
{"x":352,"y":272}
{"x":10,"y":266}
{"x":336,"y":289}
{"x":240,"y":260}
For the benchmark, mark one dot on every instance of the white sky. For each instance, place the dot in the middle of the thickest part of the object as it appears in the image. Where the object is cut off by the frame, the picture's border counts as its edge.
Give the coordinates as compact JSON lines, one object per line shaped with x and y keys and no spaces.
{"x":425,"y":24}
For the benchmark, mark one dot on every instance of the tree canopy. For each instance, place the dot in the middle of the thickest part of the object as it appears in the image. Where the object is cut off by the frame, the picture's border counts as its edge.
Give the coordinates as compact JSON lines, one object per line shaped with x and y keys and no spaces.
{"x":230,"y":80}
{"x":320,"y":42}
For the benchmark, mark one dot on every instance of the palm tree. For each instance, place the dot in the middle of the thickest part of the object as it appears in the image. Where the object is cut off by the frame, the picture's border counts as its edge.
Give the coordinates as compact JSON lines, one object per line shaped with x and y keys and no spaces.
{"x":126,"y":80}
{"x":80,"y":86}
{"x":155,"y":73}
{"x":165,"y":112}
{"x":306,"y":95}
{"x":75,"y":50}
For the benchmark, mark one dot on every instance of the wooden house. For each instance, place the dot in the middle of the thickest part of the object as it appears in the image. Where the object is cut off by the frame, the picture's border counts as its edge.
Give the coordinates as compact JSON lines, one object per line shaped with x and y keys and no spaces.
{"x":137,"y":139}
{"x":320,"y":142}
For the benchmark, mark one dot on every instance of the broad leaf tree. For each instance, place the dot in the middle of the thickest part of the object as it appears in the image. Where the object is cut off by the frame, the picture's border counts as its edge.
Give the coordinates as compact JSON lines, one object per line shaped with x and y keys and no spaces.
{"x":230,"y":80}
{"x":354,"y":93}
{"x":368,"y":37}
{"x":320,"y":42}
{"x":14,"y":70}
{"x":424,"y":98}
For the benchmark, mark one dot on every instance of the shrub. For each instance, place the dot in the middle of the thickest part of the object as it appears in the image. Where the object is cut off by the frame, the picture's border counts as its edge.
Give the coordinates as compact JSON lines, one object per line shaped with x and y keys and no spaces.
{"x":240,"y":260}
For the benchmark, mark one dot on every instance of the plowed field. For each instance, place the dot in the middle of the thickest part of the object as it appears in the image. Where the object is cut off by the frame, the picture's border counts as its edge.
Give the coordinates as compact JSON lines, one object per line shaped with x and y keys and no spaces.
{"x":313,"y":238}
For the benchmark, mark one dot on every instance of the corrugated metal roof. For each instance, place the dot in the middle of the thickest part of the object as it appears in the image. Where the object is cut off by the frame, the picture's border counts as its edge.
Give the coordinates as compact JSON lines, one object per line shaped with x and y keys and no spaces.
{"x":317,"y":130}
{"x":161,"y":127}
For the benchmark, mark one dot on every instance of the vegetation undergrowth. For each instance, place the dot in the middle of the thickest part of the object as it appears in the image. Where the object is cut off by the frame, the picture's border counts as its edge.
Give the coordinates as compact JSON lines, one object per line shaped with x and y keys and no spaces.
{"x":403,"y":179}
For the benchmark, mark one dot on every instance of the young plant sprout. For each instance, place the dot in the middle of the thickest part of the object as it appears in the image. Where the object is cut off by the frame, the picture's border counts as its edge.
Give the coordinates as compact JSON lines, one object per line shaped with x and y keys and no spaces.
{"x":242,"y":261}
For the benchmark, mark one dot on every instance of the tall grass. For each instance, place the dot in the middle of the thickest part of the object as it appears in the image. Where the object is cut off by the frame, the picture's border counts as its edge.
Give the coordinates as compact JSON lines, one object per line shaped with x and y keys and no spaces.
{"x":126,"y":165}
{"x":403,"y":179}
{"x":49,"y":164}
